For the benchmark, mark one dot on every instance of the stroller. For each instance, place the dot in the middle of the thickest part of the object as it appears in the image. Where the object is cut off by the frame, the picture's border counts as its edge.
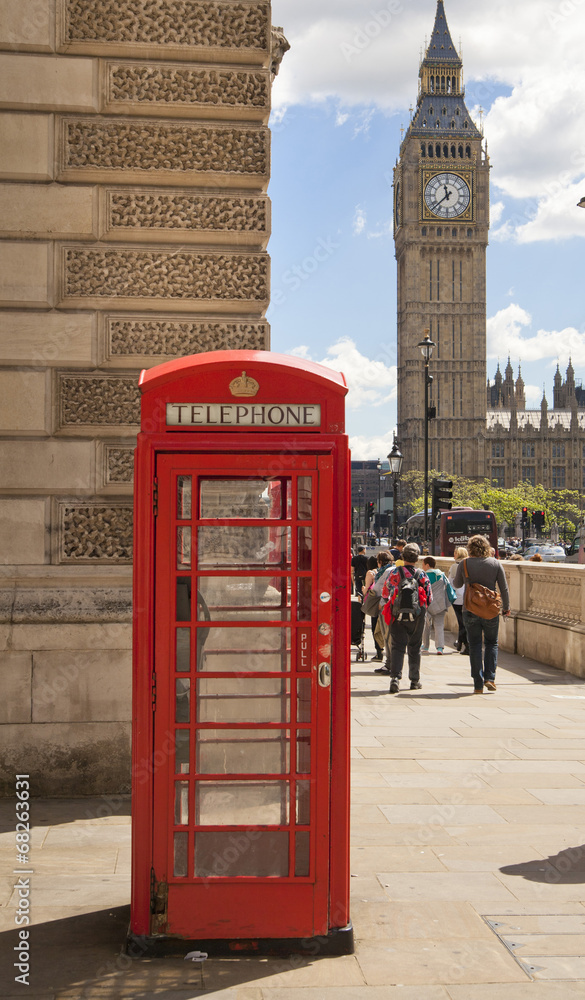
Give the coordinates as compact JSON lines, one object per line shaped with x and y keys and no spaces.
{"x":358,"y":628}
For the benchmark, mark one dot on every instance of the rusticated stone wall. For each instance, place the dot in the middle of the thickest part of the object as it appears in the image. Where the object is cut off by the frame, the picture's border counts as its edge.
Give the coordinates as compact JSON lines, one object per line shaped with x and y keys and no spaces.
{"x":134,"y":221}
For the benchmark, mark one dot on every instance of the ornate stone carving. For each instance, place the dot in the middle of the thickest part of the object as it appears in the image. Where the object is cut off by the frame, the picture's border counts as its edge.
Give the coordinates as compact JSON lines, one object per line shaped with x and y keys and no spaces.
{"x":119,"y":465}
{"x":170,"y":85}
{"x":279,"y":47}
{"x":173,"y":338}
{"x":128,"y":144}
{"x":95,"y":532}
{"x":96,"y":272}
{"x":556,"y":600}
{"x":98,"y":400}
{"x":189,"y":23}
{"x":167,"y":210}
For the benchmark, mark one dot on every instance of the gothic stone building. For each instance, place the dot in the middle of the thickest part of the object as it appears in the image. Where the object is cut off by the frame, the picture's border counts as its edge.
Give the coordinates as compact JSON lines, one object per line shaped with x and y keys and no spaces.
{"x":133,"y":229}
{"x":441,"y":224}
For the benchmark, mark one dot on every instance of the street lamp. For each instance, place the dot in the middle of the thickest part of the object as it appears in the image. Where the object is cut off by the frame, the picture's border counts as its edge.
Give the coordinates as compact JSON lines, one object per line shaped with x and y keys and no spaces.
{"x":426,"y":347}
{"x":581,"y":204}
{"x":395,"y":459}
{"x":379,"y":468}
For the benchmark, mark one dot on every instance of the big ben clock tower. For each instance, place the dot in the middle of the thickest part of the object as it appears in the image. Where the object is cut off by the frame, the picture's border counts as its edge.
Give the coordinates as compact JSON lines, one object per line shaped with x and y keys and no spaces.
{"x":441,"y":221}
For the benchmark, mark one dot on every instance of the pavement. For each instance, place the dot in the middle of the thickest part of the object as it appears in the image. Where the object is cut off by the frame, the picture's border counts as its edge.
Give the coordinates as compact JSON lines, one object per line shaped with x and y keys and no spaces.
{"x":468,"y":860}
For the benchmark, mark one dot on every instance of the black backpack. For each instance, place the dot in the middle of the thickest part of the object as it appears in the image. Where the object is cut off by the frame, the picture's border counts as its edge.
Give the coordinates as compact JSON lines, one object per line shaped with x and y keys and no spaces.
{"x":406,"y":607}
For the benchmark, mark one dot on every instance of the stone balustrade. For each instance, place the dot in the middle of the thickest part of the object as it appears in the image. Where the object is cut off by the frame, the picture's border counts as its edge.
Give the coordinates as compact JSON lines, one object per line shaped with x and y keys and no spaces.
{"x":547,"y":623}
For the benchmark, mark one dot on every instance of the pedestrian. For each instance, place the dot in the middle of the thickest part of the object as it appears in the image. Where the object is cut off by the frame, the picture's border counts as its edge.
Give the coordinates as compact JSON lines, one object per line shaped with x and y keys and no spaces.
{"x":408,"y":594}
{"x":461,"y":644}
{"x":443,"y":594}
{"x":483,"y":569}
{"x":359,"y":568}
{"x":375,"y":567}
{"x":396,"y":550}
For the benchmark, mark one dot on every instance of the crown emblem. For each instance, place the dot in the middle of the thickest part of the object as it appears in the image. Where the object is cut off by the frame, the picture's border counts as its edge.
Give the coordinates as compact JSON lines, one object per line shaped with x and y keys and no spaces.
{"x":244,"y":385}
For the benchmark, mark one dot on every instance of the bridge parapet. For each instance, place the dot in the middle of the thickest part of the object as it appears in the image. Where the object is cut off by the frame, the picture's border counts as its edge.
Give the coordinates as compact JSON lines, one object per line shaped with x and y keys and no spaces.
{"x":547,"y":622}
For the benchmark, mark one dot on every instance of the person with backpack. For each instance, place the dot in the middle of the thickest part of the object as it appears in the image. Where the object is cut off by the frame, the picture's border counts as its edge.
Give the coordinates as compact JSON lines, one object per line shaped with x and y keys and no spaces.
{"x":443,"y":597}
{"x":481,"y":609}
{"x":408,"y":594}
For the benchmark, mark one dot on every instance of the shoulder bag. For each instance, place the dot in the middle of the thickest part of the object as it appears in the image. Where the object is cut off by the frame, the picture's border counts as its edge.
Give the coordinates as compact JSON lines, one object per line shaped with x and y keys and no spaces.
{"x":479,"y":600}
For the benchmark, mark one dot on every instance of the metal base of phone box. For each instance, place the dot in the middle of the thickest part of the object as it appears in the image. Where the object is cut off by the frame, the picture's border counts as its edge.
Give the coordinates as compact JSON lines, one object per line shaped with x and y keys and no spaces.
{"x":337,"y":942}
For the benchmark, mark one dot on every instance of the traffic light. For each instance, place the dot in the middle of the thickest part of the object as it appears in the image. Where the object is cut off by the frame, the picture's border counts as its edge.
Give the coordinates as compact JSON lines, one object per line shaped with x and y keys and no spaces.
{"x":442,"y":495}
{"x":538,"y":519}
{"x":371,"y":509}
{"x":524,"y":517}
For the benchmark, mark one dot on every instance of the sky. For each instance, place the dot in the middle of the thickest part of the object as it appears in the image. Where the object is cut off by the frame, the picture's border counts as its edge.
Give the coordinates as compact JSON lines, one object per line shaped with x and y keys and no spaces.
{"x":340,"y":101}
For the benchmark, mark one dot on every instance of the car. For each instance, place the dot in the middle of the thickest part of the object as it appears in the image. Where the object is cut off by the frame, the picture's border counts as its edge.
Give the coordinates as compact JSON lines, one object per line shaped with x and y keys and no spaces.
{"x":549,"y":553}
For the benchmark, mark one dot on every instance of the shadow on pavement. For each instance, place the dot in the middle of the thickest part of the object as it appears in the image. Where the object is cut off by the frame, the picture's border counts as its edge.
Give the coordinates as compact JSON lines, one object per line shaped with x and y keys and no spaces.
{"x":565,"y":868}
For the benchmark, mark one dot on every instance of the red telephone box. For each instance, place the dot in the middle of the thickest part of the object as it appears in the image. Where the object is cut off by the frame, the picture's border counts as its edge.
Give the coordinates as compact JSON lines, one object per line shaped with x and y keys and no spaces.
{"x":241,"y":656}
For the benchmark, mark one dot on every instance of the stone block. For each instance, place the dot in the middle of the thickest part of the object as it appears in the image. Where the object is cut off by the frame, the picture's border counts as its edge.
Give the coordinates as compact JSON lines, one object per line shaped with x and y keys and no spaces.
{"x":205,"y":30}
{"x":26,"y":148}
{"x":46,"y":338}
{"x":131,"y":340}
{"x":65,"y":466}
{"x":22,"y":402}
{"x":24,"y":274}
{"x":66,"y":636}
{"x":22,"y":529}
{"x":81,"y":686}
{"x":27,"y":24}
{"x":67,"y":759}
{"x":178,"y":280}
{"x":51,"y":211}
{"x":134,"y":151}
{"x":47,"y":83}
{"x":15,"y":678}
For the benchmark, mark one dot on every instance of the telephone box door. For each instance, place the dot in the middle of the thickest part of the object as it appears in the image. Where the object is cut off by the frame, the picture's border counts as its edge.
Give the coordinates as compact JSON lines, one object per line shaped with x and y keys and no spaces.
{"x":243,"y":711}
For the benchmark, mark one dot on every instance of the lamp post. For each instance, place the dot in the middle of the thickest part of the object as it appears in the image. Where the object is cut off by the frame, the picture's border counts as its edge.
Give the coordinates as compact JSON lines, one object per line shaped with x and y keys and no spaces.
{"x":379,"y":468}
{"x":395,"y":459}
{"x":426,"y":347}
{"x":581,"y":203}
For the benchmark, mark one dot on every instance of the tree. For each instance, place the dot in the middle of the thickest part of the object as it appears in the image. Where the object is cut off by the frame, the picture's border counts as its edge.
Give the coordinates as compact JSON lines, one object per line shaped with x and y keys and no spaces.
{"x":561,"y":507}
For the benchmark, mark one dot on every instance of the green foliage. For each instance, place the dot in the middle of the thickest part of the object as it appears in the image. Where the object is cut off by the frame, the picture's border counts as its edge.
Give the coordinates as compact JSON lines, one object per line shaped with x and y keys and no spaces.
{"x":563,"y":507}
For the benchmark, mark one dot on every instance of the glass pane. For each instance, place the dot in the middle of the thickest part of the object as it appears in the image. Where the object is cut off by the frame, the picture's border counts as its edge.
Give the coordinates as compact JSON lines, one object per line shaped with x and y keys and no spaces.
{"x":305,"y":498}
{"x":183,"y":548}
{"x":183,"y":498}
{"x":304,"y":600}
{"x":183,"y":599}
{"x":180,"y":850}
{"x":242,"y":751}
{"x":183,"y":650}
{"x":240,"y":650}
{"x":302,"y":854}
{"x":304,"y":699}
{"x":244,"y":498}
{"x":243,"y":699}
{"x":250,"y":597}
{"x":305,"y":548}
{"x":244,"y":853}
{"x":181,"y":803}
{"x":242,"y":803}
{"x":303,"y":751}
{"x":181,"y":751}
{"x":254,"y":548}
{"x":303,"y":803}
{"x":182,"y":700}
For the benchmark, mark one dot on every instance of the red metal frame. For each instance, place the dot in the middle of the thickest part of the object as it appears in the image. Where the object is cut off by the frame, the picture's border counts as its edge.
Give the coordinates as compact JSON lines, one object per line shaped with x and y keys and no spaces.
{"x":281,"y":907}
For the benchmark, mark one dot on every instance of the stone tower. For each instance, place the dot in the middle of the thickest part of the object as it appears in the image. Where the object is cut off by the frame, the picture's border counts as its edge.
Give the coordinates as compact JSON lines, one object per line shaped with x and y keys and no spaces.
{"x":134,"y":222}
{"x":441,"y":220}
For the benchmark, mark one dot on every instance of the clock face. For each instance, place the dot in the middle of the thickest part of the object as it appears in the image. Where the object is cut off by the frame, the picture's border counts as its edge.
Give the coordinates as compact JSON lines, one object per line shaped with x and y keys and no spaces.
{"x":447,"y":195}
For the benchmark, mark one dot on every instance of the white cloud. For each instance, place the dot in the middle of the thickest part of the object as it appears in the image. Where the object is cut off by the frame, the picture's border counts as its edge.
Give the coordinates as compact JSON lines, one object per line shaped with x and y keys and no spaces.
{"x":367,"y":54}
{"x":505,"y":338}
{"x":368,"y":449}
{"x":371,"y":382}
{"x":359,"y":221}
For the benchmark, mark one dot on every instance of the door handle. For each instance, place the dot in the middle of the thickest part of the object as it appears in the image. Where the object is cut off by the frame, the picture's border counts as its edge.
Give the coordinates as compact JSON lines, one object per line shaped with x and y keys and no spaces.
{"x":324,"y":675}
